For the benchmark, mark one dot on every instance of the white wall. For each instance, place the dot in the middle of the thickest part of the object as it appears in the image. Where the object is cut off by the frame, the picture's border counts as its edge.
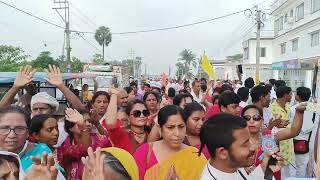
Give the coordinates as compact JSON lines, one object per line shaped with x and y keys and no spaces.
{"x":252,"y":51}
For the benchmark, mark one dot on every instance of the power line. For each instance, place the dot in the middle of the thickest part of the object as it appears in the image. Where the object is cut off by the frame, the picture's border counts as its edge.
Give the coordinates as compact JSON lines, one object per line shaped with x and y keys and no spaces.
{"x":32,"y":15}
{"x":95,"y":47}
{"x":129,"y":32}
{"x":87,"y":19}
{"x":174,"y":27}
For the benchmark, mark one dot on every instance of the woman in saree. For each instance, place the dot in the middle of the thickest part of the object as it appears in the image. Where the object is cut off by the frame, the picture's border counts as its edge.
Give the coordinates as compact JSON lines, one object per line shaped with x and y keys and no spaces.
{"x":169,"y":157}
{"x":75,"y":146}
{"x":130,"y":138}
{"x":254,"y":117}
{"x":194,"y":115}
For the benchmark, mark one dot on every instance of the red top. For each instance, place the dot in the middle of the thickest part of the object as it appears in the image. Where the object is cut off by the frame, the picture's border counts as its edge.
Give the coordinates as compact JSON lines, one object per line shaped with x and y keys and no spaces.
{"x":212,"y":111}
{"x":121,"y":138}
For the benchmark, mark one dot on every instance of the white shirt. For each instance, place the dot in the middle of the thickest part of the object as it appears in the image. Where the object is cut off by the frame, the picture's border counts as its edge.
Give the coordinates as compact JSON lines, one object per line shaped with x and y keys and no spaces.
{"x":62,"y":133}
{"x":267,"y":116}
{"x":257,"y":174}
{"x":196,"y":98}
{"x":307,"y":125}
{"x":243,"y":104}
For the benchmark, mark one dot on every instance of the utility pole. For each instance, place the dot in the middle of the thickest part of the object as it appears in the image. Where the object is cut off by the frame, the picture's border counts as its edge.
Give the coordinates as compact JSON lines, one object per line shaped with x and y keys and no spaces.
{"x":145,"y":69}
{"x":258,"y":21}
{"x":64,"y":6}
{"x":131,"y":54}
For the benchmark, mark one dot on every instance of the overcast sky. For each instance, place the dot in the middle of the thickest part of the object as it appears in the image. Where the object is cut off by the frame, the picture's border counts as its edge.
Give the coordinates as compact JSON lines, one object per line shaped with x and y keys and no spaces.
{"x":159,"y":50}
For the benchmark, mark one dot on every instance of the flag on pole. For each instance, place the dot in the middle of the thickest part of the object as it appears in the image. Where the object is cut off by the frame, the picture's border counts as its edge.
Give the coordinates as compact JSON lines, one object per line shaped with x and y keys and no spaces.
{"x":206,"y":66}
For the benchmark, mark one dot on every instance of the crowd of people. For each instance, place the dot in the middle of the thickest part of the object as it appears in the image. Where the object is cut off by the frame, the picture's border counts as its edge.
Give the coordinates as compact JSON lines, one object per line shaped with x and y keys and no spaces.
{"x":176,"y":129}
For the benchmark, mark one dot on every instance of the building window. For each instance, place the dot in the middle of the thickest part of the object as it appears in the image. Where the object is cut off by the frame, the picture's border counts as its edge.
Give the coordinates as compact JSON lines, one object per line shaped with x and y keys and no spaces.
{"x":286,"y":17}
{"x":315,"y":5}
{"x":281,"y":23}
{"x":283,"y":48}
{"x":246,"y":53}
{"x":295,"y":45}
{"x":263,"y":52}
{"x":300,"y":12}
{"x":276,"y":26}
{"x":315,"y":39}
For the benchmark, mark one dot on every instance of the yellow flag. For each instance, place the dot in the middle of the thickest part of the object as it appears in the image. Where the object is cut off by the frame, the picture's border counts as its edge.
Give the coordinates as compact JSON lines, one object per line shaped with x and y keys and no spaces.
{"x":206,"y":66}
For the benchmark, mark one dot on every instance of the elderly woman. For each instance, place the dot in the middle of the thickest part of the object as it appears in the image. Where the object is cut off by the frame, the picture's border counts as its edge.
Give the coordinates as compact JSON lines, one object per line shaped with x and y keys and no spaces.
{"x":13,"y":136}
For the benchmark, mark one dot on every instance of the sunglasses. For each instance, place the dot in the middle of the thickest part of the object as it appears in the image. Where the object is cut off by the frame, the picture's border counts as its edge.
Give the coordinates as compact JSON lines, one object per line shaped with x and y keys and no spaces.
{"x":254,"y":117}
{"x":138,"y":113}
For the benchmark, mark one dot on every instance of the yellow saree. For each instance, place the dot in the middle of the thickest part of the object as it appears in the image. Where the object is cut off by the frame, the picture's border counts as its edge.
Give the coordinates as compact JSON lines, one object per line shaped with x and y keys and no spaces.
{"x":187,"y":163}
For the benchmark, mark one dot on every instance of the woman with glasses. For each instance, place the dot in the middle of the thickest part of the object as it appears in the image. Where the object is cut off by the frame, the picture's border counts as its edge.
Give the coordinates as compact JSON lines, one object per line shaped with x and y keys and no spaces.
{"x":169,"y":158}
{"x":127,"y":139}
{"x":254,"y":117}
{"x":14,"y":134}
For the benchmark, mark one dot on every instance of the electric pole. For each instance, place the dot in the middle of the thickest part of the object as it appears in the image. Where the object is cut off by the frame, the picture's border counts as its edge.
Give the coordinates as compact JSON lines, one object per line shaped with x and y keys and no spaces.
{"x":64,"y":6}
{"x":258,"y":21}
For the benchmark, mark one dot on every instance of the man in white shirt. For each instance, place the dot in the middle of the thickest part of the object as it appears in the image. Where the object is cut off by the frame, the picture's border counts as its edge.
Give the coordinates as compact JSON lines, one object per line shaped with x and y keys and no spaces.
{"x":243,"y":93}
{"x":196,"y":91}
{"x":227,"y":138}
{"x":303,"y":95}
{"x":261,"y":98}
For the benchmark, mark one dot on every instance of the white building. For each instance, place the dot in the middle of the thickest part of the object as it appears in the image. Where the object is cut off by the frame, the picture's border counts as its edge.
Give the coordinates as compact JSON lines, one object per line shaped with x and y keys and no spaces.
{"x":296,"y":43}
{"x":249,"y":50}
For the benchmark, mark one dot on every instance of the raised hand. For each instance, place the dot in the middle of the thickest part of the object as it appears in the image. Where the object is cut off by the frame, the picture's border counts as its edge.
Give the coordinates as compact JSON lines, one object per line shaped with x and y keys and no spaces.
{"x":93,"y":165}
{"x":42,"y":170}
{"x":24,"y":77}
{"x":74,"y":116}
{"x":54,"y":76}
{"x":113,"y":91}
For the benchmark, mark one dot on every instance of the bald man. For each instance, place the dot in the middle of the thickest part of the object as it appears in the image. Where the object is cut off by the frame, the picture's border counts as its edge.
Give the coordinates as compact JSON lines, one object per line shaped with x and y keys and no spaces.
{"x":122,"y":99}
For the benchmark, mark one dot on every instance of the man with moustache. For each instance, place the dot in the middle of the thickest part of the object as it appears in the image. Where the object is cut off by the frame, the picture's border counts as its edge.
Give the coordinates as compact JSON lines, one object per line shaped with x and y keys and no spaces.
{"x":227,"y":138}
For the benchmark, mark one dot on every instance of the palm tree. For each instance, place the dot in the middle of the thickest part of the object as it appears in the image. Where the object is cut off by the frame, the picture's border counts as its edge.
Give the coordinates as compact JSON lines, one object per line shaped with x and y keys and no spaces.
{"x":103,"y":37}
{"x":188,"y":59}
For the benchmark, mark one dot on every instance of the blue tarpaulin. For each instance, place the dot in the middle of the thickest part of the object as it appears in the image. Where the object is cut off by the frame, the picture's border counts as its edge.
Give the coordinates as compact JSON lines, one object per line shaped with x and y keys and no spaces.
{"x":9,"y":77}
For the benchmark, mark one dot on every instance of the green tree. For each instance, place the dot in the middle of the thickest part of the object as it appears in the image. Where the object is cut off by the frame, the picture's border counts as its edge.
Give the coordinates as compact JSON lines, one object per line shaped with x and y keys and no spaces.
{"x":98,"y":59}
{"x":12,"y":58}
{"x":188,"y":59}
{"x":43,"y":61}
{"x":76,"y":65}
{"x":103,"y":37}
{"x":235,"y":58}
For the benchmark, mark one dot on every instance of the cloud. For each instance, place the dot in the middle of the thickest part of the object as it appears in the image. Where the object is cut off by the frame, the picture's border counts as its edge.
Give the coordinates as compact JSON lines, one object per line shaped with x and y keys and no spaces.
{"x":158,"y":49}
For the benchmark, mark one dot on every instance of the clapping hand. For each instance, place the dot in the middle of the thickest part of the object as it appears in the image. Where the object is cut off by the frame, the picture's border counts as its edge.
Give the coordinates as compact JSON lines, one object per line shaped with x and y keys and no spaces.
{"x":54,"y":76}
{"x":24,"y":77}
{"x":74,"y":116}
{"x":42,"y":170}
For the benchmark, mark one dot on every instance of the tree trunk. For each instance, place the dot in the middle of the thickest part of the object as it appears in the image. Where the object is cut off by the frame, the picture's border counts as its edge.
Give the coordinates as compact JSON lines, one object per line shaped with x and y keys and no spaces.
{"x":103,"y":51}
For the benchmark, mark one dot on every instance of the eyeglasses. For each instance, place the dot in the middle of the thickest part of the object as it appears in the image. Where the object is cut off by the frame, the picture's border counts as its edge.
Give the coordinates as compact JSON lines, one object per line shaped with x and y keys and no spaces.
{"x":254,"y":117}
{"x":19,"y":130}
{"x":138,"y":113}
